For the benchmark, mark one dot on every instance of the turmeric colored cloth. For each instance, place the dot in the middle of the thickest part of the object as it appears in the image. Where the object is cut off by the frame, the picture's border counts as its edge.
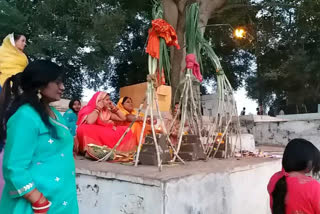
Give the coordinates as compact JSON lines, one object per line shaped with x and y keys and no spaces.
{"x":136,"y":128}
{"x":12,"y":61}
{"x":160,"y":28}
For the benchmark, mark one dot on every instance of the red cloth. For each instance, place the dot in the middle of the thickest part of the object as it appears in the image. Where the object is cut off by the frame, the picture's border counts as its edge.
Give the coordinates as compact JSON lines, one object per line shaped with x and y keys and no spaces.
{"x":160,"y":28}
{"x":303,"y":193}
{"x":161,"y":79}
{"x":191,"y":63}
{"x":103,"y":132}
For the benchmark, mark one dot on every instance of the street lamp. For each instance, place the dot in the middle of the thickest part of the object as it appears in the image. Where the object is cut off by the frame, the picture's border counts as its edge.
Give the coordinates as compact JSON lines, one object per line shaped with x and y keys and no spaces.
{"x":238,"y":33}
{"x":241,"y":33}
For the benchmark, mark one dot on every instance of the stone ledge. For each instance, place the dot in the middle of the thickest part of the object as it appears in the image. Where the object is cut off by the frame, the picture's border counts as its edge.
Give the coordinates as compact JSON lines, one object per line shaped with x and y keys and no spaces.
{"x":150,"y":175}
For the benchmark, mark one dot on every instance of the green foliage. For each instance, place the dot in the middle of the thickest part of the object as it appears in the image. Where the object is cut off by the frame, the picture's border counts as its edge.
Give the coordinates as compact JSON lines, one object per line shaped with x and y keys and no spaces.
{"x":195,"y":41}
{"x":288,"y":53}
{"x":130,"y":66}
{"x":78,"y":34}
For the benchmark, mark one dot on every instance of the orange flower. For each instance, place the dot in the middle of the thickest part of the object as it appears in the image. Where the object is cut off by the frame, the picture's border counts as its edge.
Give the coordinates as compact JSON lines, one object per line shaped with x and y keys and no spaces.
{"x":219,"y":138}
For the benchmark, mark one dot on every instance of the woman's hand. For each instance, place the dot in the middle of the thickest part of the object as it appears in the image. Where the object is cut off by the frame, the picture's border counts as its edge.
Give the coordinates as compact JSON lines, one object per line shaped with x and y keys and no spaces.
{"x":100,"y":105}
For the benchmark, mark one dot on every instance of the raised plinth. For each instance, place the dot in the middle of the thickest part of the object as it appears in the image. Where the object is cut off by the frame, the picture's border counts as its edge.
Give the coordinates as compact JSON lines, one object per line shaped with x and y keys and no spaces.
{"x":218,"y":186}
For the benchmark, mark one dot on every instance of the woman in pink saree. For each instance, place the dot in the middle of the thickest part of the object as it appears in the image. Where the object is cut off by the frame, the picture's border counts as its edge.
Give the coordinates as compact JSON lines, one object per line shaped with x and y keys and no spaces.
{"x":96,"y":126}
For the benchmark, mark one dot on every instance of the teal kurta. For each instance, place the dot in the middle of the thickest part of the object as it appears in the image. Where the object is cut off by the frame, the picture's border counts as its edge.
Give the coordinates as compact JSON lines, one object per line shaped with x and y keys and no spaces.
{"x":34,"y":159}
{"x":71,"y":121}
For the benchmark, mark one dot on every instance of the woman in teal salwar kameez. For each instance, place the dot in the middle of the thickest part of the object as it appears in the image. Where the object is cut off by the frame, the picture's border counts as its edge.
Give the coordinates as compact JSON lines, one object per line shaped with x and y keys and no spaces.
{"x":38,"y":165}
{"x":71,"y":115}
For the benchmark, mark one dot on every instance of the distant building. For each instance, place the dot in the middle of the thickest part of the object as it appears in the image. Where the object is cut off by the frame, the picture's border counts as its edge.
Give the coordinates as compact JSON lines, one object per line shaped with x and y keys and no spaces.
{"x":210,"y":104}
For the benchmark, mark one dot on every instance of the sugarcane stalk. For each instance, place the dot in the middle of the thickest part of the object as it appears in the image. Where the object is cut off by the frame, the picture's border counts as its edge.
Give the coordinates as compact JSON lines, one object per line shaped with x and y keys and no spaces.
{"x":142,"y":133}
{"x":221,"y":139}
{"x":183,"y":120}
{"x":165,"y":130}
{"x":195,"y":108}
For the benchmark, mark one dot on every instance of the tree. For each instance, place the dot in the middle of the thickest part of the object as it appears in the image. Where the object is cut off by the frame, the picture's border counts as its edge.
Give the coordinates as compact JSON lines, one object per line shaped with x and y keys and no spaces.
{"x":174,"y":14}
{"x":78,"y":34}
{"x":130,"y":65}
{"x":287,"y":58}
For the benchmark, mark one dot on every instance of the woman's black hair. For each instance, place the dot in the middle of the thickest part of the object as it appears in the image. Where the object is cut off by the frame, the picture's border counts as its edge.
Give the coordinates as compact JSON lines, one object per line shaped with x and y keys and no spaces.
{"x":23,"y":89}
{"x":299,"y":155}
{"x":125,"y":99}
{"x":72,"y":102}
{"x":17,"y":36}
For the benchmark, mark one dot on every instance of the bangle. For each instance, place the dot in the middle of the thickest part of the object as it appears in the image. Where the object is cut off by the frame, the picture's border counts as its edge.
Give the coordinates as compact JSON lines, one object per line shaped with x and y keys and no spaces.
{"x":42,"y":209}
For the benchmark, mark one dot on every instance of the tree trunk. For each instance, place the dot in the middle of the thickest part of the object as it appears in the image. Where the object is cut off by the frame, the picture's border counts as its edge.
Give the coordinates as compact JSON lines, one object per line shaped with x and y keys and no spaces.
{"x":175,"y":14}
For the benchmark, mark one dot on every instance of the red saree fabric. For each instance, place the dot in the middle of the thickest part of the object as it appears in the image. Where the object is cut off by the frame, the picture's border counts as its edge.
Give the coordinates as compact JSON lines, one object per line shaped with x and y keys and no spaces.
{"x":103,"y":132}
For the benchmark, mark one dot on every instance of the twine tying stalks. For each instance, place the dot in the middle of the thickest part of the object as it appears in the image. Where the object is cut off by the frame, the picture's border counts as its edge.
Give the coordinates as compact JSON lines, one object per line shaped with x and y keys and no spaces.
{"x":153,"y":79}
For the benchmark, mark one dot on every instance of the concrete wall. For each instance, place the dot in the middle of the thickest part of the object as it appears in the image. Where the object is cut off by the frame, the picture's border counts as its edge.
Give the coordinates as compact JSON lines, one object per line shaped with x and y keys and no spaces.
{"x":111,"y":196}
{"x":309,"y":116}
{"x":280,"y":133}
{"x":241,"y":190}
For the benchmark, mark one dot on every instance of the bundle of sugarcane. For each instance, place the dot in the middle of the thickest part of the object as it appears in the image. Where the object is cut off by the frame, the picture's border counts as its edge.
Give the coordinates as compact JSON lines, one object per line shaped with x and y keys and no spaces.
{"x":190,"y":101}
{"x":195,"y":44}
{"x":160,"y":35}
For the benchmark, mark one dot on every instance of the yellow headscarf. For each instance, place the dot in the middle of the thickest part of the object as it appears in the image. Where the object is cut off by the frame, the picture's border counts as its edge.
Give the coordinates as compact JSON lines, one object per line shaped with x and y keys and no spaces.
{"x":124,"y":111}
{"x":12,"y":61}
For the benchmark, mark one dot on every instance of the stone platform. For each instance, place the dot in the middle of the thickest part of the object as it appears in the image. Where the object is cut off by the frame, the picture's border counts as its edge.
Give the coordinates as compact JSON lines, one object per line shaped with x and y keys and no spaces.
{"x":229,"y":186}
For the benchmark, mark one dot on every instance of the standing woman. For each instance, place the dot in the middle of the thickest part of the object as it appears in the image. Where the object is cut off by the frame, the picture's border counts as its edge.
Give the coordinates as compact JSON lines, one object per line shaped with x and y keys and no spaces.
{"x":12,"y":58}
{"x":38,"y":164}
{"x":291,"y":190}
{"x":71,"y":115}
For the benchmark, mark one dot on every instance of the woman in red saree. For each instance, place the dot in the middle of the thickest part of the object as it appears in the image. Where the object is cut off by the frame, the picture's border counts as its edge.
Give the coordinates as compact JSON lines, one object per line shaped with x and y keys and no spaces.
{"x":96,"y":126}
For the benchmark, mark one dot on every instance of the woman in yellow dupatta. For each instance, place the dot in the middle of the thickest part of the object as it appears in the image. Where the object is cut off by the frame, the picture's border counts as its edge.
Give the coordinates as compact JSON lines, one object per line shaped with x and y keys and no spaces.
{"x":125,"y":105}
{"x":12,"y":58}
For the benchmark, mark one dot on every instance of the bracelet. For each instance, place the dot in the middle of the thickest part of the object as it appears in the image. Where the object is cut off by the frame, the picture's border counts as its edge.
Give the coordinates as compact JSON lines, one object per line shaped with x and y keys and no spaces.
{"x":48,"y":204}
{"x":42,"y":209}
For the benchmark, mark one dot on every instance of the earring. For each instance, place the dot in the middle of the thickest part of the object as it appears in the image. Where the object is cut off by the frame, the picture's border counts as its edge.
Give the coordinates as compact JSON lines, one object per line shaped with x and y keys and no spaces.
{"x":39,"y":95}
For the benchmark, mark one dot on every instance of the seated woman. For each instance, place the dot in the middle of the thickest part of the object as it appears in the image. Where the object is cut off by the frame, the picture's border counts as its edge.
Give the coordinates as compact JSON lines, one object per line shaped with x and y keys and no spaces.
{"x":125,"y":105}
{"x":96,"y":126}
{"x":173,"y":127}
{"x":71,"y":115}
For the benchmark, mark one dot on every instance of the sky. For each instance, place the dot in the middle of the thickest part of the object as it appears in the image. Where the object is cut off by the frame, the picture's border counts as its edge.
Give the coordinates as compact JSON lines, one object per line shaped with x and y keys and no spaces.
{"x":243,"y":101}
